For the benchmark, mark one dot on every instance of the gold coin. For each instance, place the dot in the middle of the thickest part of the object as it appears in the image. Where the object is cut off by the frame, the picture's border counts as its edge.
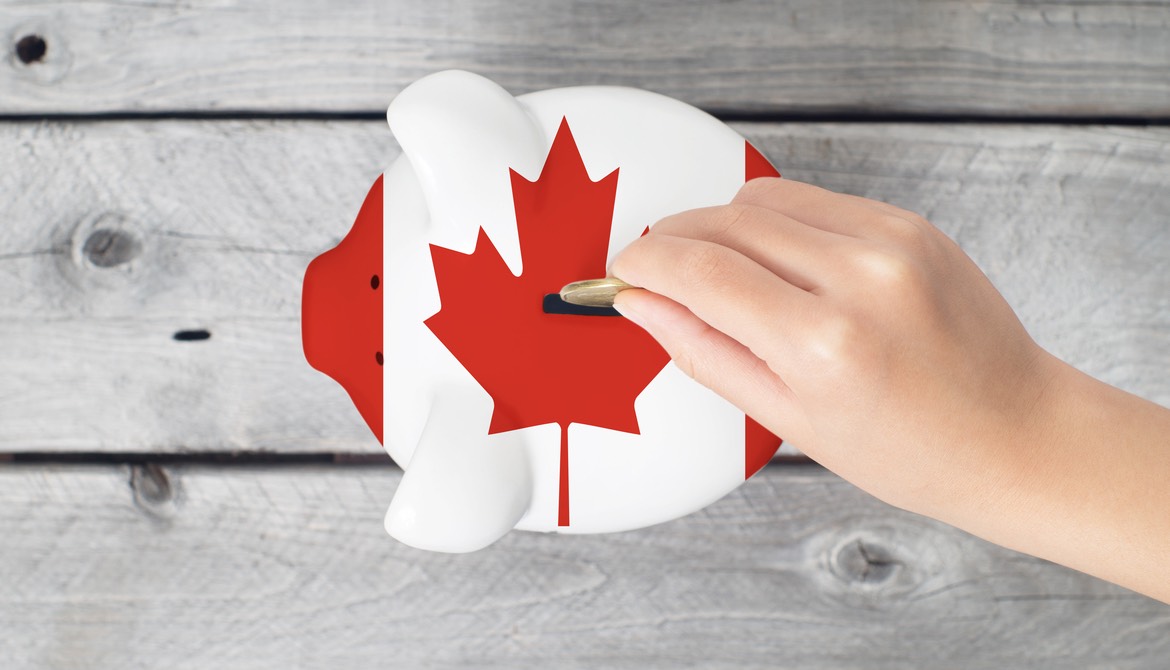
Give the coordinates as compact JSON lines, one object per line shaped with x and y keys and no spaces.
{"x":593,"y":292}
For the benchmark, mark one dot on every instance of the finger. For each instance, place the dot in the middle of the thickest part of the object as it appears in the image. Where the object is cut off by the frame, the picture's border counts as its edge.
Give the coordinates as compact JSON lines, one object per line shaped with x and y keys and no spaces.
{"x":824,"y":209}
{"x":715,"y":360}
{"x":801,"y":255}
{"x":721,"y":286}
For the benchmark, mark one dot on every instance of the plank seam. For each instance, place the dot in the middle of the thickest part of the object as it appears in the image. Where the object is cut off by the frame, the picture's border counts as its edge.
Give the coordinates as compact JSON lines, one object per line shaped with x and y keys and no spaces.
{"x":235,"y":458}
{"x":726,"y":115}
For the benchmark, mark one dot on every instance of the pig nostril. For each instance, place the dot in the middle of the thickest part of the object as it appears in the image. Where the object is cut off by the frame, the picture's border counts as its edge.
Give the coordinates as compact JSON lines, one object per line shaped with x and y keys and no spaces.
{"x":374,"y":282}
{"x":378,"y":357}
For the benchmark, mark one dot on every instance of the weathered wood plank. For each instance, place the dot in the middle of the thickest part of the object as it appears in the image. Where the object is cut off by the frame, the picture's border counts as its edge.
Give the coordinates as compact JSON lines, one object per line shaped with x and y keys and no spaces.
{"x":1055,"y":57}
{"x":1072,"y":224}
{"x":215,"y":225}
{"x":217,"y":221}
{"x":289,"y":567}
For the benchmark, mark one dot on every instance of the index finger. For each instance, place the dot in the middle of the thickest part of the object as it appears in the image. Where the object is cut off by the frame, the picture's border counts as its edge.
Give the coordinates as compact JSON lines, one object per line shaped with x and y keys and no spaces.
{"x":727,"y":290}
{"x":834,"y":212}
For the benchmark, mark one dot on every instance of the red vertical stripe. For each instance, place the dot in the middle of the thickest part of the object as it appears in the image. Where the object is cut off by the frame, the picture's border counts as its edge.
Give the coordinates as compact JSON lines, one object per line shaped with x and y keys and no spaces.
{"x":759,"y":444}
{"x":755,"y":165}
{"x":341,"y":311}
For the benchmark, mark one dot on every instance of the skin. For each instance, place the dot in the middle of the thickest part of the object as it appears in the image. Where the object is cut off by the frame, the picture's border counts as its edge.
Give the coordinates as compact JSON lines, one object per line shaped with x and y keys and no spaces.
{"x":867,"y":339}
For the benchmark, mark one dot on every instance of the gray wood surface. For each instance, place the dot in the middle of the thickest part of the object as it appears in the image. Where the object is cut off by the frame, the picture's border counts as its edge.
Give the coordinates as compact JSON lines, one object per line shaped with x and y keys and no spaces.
{"x":116,"y":235}
{"x":1067,"y":57}
{"x":193,"y":567}
{"x":209,"y":225}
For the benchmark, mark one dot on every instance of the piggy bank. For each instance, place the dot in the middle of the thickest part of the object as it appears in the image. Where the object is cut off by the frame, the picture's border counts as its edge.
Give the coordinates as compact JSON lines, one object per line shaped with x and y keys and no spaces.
{"x":438,"y":314}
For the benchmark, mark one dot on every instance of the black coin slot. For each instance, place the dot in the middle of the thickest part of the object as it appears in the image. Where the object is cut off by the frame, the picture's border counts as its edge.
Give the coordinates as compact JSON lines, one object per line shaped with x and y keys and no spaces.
{"x":554,"y":305}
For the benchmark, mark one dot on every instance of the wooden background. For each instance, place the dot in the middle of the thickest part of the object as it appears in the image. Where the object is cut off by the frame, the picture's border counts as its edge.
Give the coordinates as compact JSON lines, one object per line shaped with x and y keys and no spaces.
{"x":172,"y":167}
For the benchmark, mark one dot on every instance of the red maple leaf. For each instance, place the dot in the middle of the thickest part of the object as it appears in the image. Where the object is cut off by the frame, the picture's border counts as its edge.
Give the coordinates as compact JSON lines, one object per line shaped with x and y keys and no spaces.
{"x":546,"y":368}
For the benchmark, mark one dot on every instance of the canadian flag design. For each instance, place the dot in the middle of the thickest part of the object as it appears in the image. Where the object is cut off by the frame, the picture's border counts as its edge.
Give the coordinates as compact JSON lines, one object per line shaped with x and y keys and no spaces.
{"x":429,"y":314}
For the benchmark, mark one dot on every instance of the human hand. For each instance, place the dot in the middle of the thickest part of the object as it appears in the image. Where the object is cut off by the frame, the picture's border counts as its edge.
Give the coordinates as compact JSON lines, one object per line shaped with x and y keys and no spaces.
{"x":863,"y":335}
{"x":853,"y":329}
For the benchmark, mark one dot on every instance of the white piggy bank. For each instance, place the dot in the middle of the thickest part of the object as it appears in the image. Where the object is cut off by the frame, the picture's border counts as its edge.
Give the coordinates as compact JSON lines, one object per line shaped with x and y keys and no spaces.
{"x":438,"y":314}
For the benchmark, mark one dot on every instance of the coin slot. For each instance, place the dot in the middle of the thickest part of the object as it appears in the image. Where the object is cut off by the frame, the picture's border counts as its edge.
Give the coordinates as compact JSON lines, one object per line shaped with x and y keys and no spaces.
{"x":554,"y":305}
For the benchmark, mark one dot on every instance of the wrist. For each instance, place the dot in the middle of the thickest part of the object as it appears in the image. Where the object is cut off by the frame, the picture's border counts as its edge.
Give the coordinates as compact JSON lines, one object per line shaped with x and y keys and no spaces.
{"x":1082,"y":482}
{"x":1017,"y":451}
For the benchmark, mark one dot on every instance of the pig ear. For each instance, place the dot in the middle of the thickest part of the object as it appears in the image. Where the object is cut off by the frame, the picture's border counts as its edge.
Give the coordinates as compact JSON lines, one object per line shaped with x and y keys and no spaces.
{"x":463,"y":490}
{"x":461,"y":133}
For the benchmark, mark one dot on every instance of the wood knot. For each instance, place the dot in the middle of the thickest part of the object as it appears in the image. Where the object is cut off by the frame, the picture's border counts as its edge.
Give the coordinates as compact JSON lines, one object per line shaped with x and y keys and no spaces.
{"x":108,"y":253}
{"x":37,"y":53}
{"x":152,"y":487}
{"x":865,"y":562}
{"x":107,"y":247}
{"x":31,"y":49}
{"x":877,"y":561}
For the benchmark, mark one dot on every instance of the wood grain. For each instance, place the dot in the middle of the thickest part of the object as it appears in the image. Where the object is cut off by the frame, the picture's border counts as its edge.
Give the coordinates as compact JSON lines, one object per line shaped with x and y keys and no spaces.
{"x":219,"y":222}
{"x":209,"y":225}
{"x":113,"y":567}
{"x":1017,"y":57}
